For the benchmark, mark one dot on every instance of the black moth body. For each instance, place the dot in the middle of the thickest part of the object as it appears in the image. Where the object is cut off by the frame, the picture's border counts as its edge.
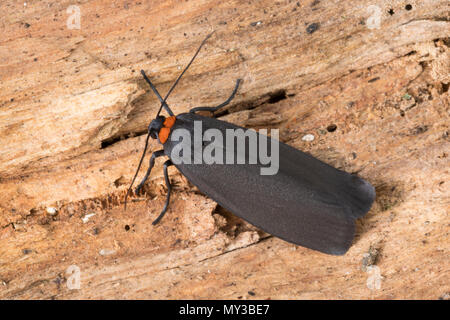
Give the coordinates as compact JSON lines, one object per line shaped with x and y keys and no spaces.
{"x":307,"y":202}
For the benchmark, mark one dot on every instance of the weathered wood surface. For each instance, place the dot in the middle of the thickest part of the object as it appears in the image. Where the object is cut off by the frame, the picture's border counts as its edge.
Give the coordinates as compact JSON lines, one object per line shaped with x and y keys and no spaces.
{"x":73,"y":109}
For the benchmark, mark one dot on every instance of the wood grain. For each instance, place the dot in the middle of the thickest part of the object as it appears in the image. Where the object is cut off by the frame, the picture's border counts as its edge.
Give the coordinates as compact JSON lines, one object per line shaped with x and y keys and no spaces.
{"x":74,"y":108}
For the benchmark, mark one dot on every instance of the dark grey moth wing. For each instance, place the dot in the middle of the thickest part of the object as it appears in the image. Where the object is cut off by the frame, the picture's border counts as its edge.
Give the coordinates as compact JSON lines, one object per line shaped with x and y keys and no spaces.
{"x":307,"y":202}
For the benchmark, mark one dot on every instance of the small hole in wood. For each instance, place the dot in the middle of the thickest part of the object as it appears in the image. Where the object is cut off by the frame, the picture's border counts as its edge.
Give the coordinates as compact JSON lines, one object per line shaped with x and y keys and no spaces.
{"x":277,"y":96}
{"x":332,"y":128}
{"x":408,"y":7}
{"x":445,"y":87}
{"x":391,"y":11}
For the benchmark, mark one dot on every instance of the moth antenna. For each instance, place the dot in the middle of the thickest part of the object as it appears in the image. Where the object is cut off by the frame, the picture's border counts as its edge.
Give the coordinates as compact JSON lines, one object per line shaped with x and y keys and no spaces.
{"x":179,"y":77}
{"x":169,"y":111}
{"x":137,"y":171}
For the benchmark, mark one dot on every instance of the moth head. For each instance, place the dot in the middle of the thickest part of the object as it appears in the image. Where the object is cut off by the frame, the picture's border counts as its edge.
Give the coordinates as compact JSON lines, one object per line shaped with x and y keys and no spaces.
{"x":155,"y":126}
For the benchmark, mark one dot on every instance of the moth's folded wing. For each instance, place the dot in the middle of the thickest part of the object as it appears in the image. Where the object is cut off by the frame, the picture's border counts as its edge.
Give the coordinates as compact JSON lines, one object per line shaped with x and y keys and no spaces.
{"x":307,"y":202}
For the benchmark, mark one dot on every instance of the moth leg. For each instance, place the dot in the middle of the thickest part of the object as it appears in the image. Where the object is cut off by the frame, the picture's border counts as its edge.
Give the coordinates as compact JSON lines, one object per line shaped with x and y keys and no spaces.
{"x":169,"y":188}
{"x":155,"y":155}
{"x":212,"y":109}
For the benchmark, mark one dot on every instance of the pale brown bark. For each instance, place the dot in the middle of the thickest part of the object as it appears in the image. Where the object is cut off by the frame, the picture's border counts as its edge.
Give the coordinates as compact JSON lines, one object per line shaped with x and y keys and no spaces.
{"x":66,"y":93}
